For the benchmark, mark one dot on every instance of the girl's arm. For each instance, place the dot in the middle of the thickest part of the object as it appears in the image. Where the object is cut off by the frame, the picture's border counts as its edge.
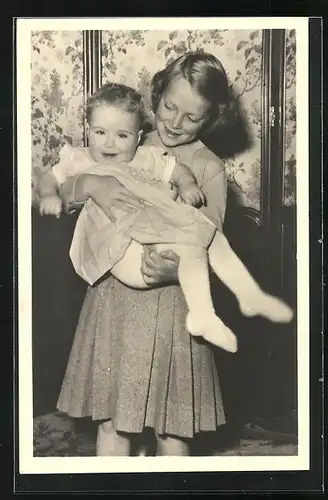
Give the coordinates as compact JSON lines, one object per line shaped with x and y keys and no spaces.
{"x":215,"y":191}
{"x":213,"y":182}
{"x":105,"y":190}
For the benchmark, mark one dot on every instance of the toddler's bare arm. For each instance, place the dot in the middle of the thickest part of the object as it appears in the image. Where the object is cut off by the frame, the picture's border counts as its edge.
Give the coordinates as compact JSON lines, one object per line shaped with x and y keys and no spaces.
{"x":183,"y":178}
{"x":47,"y":188}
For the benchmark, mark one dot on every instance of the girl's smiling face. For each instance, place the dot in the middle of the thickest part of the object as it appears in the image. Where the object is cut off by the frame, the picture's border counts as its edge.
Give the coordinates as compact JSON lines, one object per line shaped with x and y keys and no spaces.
{"x":181,"y":113}
{"x":113,"y":134}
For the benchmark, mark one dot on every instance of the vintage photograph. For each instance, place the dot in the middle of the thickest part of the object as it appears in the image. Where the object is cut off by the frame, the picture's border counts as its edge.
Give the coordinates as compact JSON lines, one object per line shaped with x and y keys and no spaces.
{"x":162,"y":183}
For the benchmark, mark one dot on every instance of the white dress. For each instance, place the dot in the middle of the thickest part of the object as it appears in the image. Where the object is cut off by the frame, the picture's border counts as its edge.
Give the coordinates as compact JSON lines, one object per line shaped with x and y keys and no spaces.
{"x":99,"y":243}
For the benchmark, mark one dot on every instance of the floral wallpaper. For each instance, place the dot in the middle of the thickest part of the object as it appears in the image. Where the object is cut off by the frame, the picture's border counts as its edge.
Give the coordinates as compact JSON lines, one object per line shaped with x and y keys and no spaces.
{"x":56,"y":94}
{"x":290,"y":120}
{"x":132,"y":57}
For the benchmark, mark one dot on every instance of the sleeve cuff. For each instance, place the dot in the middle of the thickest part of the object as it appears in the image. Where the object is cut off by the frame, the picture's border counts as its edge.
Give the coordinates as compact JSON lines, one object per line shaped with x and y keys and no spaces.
{"x":169,"y":167}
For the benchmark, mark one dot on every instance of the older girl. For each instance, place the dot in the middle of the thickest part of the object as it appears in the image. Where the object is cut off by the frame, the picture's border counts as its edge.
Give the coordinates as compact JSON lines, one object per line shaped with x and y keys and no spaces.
{"x":133,"y":365}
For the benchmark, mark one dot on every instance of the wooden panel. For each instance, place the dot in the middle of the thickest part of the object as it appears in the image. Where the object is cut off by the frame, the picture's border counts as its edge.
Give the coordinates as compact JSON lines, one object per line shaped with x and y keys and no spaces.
{"x":92,"y":64}
{"x":57,"y":294}
{"x":272,"y":190}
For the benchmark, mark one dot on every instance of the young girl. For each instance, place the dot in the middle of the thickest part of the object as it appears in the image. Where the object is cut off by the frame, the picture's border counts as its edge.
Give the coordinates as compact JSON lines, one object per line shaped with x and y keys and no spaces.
{"x":115,"y":119}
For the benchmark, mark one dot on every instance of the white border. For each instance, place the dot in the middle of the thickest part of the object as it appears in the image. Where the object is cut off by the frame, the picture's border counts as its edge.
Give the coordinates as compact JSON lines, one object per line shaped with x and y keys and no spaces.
{"x":67,"y":465}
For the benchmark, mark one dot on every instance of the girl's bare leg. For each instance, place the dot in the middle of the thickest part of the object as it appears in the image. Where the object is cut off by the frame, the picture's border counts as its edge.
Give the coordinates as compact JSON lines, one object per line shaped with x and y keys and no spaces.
{"x":171,"y":446}
{"x":111,"y":443}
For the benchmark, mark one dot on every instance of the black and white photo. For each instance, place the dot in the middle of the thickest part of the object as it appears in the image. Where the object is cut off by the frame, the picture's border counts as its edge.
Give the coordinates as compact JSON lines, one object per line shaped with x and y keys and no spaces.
{"x":163,"y":244}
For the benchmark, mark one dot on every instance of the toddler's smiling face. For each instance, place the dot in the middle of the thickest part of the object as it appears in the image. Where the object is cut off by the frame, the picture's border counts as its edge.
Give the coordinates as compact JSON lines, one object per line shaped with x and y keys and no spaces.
{"x":114,"y":134}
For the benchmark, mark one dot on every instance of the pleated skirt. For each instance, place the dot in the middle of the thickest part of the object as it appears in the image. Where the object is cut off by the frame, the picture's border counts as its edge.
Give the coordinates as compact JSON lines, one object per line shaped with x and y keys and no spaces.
{"x":132,"y":361}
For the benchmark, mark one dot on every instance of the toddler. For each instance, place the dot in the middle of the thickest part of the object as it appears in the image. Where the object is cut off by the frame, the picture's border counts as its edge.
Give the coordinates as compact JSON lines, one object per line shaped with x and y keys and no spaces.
{"x":169,"y":218}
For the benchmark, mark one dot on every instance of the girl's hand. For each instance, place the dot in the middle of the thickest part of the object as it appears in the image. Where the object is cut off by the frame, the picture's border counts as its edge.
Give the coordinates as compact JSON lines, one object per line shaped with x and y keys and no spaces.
{"x":50,"y":205}
{"x":159,"y":267}
{"x":106,"y":191}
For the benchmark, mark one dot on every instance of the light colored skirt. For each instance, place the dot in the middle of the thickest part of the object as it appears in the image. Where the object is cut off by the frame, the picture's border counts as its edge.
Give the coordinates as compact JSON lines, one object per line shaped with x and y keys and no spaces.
{"x":133,"y":361}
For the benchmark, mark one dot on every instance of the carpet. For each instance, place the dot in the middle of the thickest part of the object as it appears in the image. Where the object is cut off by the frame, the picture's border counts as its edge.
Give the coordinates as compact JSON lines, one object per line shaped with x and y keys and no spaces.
{"x":57,"y":435}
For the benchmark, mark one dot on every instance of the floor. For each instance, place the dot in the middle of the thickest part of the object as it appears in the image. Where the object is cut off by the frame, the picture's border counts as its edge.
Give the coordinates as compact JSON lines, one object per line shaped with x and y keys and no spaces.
{"x":57,"y":435}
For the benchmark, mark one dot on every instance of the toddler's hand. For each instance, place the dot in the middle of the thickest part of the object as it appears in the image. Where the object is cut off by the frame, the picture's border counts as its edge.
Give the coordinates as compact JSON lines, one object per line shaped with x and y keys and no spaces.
{"x":50,"y":205}
{"x":192,"y":195}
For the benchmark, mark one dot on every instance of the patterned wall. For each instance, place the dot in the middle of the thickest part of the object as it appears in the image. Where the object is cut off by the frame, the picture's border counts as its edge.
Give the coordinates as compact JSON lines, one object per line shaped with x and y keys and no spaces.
{"x":133,"y":57}
{"x":290,"y":120}
{"x":56,"y":94}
